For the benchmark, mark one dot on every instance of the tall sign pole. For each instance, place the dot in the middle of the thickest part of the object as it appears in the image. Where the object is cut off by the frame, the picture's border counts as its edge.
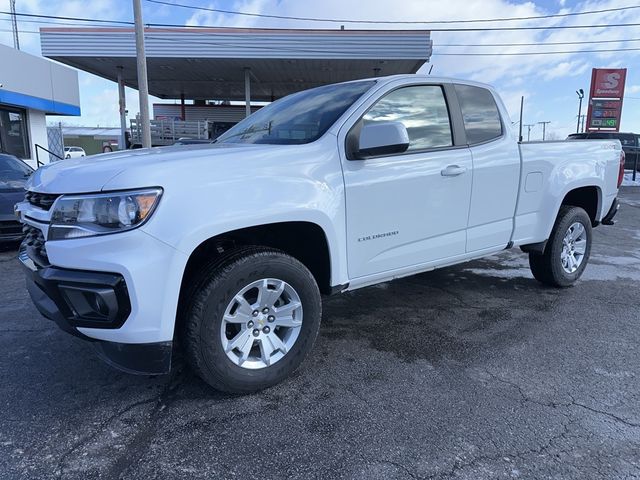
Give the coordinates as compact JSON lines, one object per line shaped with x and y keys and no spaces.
{"x":143,"y":86}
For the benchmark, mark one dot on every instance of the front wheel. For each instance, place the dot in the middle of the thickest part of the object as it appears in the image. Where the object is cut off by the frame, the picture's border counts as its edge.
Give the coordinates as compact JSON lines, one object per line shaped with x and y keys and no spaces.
{"x":251,"y":320}
{"x":567,"y":251}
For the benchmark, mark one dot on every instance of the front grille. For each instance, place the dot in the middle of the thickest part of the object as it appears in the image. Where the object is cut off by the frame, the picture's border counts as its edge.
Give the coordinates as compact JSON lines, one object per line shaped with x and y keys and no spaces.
{"x":41,"y":200}
{"x":10,"y":228}
{"x":34,"y":242}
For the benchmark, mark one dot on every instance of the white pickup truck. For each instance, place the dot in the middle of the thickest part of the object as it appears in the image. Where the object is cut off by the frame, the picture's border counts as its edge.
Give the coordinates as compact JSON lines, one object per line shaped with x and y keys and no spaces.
{"x":227,"y":247}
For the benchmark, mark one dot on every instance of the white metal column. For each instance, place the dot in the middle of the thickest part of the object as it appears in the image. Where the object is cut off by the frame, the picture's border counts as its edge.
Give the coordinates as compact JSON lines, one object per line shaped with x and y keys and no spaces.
{"x":247,"y":91}
{"x":122,"y":105}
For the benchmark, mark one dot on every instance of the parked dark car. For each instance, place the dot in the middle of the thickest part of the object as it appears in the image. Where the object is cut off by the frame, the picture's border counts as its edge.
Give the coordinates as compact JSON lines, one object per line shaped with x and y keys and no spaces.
{"x":630,"y":144}
{"x":13,"y":176}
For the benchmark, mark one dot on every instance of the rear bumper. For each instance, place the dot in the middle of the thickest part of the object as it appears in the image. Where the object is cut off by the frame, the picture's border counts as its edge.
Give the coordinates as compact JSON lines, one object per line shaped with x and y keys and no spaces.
{"x":77,"y":298}
{"x":608,"y":218}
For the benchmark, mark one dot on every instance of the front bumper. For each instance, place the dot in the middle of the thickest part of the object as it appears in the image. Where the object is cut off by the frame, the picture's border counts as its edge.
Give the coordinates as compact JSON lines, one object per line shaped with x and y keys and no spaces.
{"x":76,"y":298}
{"x":118,"y":291}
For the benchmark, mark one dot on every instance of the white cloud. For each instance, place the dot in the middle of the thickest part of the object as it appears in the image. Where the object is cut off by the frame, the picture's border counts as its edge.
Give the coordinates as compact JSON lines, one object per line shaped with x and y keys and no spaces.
{"x":566,"y":69}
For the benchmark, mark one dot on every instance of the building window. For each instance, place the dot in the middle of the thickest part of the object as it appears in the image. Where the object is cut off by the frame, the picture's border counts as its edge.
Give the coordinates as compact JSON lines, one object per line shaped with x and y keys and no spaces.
{"x":14,"y":138}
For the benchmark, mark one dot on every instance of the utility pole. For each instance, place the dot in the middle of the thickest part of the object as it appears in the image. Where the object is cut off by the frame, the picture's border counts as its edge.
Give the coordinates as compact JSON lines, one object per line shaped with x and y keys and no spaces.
{"x":582,"y":117}
{"x":580,"y":94}
{"x":14,"y":24}
{"x":544,"y":128}
{"x":143,"y":86}
{"x":529,"y":126}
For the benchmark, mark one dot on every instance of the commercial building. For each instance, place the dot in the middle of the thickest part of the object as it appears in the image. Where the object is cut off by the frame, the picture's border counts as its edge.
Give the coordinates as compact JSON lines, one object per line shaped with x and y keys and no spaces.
{"x":91,"y":139}
{"x":30,"y":89}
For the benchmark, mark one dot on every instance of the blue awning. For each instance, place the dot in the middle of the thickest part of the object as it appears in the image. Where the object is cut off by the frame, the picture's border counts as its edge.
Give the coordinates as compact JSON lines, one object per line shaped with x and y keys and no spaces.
{"x":36,"y":103}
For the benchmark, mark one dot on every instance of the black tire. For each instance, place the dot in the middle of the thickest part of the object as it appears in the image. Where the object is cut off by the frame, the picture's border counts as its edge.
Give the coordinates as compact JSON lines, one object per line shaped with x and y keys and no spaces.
{"x":204,"y":307}
{"x":547,"y":267}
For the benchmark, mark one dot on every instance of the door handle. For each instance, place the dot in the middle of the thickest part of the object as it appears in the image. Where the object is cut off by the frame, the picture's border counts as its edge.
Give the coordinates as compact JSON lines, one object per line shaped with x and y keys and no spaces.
{"x":453,"y":171}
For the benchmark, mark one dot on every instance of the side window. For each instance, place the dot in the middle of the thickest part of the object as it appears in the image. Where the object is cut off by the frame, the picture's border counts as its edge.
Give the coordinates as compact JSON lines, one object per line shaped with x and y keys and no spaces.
{"x":480,"y":114}
{"x":423,"y":111}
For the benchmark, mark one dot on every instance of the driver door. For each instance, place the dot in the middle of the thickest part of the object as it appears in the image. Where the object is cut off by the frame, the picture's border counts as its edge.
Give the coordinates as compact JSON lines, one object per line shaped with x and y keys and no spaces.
{"x":408,"y":209}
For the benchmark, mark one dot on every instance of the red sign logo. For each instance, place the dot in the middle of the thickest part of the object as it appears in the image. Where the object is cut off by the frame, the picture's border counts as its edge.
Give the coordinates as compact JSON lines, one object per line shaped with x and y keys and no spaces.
{"x":608,"y":82}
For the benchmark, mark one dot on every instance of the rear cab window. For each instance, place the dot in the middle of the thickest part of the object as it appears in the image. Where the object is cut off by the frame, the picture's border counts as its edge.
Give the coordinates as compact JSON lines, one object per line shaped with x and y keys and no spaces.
{"x":480,"y":114}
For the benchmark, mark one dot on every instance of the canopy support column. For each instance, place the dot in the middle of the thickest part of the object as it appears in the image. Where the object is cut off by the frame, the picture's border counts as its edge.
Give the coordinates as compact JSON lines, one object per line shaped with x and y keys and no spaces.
{"x":247,"y":91}
{"x":122,"y":105}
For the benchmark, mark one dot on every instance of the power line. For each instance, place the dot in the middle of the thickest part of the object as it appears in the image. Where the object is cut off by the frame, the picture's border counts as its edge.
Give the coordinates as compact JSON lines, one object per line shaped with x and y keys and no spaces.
{"x":50,"y":22}
{"x":532,"y":44}
{"x":564,"y":52}
{"x":414,"y":22}
{"x":58,"y":17}
{"x":466,"y":29}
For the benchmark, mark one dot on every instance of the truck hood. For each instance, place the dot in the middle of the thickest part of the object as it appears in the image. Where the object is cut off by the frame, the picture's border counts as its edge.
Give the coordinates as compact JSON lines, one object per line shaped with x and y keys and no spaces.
{"x":92,"y":174}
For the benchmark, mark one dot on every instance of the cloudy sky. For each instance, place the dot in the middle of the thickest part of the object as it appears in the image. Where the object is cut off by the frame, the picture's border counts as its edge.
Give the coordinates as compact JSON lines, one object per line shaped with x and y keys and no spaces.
{"x":548,"y":82}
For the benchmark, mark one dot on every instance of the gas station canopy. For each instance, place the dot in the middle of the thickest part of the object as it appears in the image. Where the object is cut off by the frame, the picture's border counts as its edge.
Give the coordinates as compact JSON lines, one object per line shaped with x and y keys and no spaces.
{"x":217,"y":63}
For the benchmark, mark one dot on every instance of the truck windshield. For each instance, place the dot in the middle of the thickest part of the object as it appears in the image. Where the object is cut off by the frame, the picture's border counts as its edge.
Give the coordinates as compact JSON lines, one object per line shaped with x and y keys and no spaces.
{"x":299,"y":118}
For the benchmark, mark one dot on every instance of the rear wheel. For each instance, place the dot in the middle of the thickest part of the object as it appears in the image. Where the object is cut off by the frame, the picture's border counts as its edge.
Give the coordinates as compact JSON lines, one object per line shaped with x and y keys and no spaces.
{"x":252,"y":320}
{"x":567,"y":251}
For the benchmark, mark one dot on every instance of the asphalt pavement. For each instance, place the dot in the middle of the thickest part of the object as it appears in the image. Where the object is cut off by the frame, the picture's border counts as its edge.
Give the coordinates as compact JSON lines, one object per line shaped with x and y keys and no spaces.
{"x":470,"y":372}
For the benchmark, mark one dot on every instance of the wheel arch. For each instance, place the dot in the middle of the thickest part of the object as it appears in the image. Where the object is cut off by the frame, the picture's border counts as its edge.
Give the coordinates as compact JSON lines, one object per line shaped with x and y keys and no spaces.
{"x":306,"y":241}
{"x":589,"y":198}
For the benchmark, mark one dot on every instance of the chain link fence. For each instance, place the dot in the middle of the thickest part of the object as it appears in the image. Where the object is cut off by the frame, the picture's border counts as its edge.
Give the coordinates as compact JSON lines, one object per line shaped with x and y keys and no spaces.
{"x":56,"y":142}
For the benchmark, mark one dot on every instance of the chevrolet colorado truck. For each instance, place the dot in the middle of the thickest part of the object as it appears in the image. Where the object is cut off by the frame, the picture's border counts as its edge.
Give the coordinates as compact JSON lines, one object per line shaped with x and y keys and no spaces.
{"x":226,"y":248}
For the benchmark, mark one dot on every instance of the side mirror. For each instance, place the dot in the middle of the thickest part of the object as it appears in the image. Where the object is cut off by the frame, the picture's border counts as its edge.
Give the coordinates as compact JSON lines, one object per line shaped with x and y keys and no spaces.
{"x":382,"y":138}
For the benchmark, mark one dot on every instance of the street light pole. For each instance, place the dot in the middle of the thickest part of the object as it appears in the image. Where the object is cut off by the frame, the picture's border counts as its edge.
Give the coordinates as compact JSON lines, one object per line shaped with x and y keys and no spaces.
{"x":580,"y":94}
{"x":143,"y":86}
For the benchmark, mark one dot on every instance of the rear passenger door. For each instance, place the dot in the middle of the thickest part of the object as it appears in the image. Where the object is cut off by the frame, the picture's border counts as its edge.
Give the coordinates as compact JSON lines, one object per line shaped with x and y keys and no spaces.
{"x":408,"y":209}
{"x":496,"y":169}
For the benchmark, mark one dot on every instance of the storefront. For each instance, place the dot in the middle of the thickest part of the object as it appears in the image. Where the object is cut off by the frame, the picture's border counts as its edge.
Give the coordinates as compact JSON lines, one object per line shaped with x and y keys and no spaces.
{"x":31,"y":89}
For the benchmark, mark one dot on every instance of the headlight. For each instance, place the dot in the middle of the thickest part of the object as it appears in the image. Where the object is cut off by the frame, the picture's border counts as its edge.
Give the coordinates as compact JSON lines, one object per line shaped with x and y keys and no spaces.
{"x":75,"y":216}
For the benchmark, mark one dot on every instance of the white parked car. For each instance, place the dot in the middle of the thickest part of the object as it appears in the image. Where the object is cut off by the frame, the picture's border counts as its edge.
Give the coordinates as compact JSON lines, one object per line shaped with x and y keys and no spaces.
{"x":324,"y":191}
{"x":74,"y":152}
